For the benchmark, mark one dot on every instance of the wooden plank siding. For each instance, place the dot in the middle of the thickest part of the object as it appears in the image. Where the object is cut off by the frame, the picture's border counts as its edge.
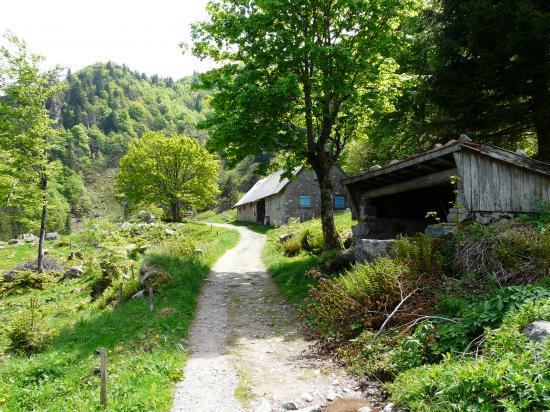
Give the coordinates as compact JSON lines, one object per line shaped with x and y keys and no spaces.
{"x":493,"y":185}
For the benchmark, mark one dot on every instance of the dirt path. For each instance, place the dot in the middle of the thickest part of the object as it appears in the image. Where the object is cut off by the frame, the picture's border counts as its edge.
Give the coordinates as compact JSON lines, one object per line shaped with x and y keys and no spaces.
{"x":247,"y":353}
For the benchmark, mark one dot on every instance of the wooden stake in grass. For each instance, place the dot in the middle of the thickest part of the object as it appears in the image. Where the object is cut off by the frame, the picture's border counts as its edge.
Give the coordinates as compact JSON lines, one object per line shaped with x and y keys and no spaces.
{"x":151,"y":307}
{"x":120,"y":294}
{"x":103,"y":372}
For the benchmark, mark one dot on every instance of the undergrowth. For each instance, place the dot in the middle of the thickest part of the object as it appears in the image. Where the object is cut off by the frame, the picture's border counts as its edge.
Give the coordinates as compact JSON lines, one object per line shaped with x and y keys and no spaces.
{"x":146,"y":349}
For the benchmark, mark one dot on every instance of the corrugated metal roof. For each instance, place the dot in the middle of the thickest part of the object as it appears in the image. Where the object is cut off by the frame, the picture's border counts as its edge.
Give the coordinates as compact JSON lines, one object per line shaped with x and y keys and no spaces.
{"x":265,"y":187}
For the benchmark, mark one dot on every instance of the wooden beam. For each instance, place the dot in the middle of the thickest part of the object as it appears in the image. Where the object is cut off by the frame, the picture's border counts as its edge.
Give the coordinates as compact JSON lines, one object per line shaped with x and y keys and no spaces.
{"x":433,"y":179}
{"x":432,"y":154}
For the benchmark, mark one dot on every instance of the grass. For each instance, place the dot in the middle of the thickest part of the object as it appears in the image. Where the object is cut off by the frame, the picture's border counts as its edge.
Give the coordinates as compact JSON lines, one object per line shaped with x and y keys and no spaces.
{"x":290,"y":273}
{"x":14,"y":255}
{"x":145,"y":349}
{"x":211,"y":216}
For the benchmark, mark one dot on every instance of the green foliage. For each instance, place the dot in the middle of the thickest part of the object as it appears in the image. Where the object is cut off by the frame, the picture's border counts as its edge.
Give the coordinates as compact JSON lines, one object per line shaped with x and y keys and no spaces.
{"x":511,"y":252}
{"x":511,"y":375}
{"x":174,"y":172}
{"x":342,"y":307}
{"x":23,"y":280}
{"x":475,"y":317}
{"x":26,"y":335}
{"x":540,"y":219}
{"x":145,"y":349}
{"x":489,"y":76}
{"x":291,"y":273}
{"x":311,"y":103}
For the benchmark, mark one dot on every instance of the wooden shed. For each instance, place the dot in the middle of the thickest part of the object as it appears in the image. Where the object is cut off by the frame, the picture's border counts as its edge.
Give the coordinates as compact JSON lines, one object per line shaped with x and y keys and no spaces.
{"x":452,"y":183}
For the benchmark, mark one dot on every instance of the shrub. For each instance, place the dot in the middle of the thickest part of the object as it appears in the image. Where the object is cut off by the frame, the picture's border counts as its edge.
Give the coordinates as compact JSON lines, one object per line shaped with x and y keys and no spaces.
{"x":540,"y":219}
{"x":485,"y":313}
{"x":512,"y":374}
{"x":292,"y":246}
{"x":23,"y":280}
{"x":342,"y":307}
{"x":512,"y":252}
{"x":312,"y":240}
{"x":514,"y":382}
{"x":422,"y":253}
{"x":25,"y":335}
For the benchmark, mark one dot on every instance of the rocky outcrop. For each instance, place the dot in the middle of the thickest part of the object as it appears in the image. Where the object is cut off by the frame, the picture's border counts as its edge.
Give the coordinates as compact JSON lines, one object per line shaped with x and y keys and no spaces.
{"x":538,"y":331}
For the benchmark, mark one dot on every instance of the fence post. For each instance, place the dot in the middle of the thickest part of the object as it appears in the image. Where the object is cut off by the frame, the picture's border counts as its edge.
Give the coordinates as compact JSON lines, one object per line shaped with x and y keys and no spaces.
{"x":119,"y":294}
{"x":103,"y":372}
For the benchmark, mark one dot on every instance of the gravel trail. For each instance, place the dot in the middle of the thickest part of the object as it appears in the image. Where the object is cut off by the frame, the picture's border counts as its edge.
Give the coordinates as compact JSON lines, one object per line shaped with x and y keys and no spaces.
{"x":247,"y":353}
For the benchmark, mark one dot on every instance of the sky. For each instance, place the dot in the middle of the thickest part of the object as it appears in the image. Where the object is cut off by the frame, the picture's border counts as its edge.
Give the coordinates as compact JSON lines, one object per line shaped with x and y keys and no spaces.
{"x":144,"y":35}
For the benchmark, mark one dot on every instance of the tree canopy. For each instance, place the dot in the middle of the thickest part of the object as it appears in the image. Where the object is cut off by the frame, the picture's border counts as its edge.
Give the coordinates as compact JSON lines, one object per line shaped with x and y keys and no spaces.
{"x":298,"y":78}
{"x":175,"y":172}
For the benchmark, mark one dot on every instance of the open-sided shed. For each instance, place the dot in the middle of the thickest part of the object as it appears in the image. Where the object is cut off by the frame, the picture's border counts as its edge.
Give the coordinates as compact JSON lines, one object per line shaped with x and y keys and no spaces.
{"x":453,"y":182}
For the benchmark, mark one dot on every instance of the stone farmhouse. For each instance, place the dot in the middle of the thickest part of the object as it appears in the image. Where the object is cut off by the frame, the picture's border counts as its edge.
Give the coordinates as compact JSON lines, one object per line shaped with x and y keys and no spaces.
{"x":273,"y":200}
{"x":459,"y":181}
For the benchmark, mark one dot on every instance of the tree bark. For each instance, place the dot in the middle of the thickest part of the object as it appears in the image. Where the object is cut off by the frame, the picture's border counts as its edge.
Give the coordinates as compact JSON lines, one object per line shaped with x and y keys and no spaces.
{"x":42,"y":234}
{"x":542,"y":122}
{"x":175,"y":210}
{"x":330,"y":234}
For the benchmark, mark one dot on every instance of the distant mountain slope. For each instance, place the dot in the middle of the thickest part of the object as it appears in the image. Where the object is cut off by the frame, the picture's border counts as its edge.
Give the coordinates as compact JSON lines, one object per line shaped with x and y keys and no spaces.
{"x":112,"y":104}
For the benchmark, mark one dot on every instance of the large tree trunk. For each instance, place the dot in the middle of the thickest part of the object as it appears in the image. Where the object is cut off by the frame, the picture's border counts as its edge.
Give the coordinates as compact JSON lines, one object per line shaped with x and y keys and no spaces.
{"x":541,"y":100}
{"x":542,"y":123}
{"x":330,"y":234}
{"x":42,"y":234}
{"x":175,"y":210}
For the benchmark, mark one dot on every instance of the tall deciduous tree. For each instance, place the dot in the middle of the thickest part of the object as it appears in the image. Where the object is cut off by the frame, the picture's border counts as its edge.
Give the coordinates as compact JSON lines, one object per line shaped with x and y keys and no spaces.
{"x":298,"y":77}
{"x":492,"y":72}
{"x":175,"y":172}
{"x":26,"y":130}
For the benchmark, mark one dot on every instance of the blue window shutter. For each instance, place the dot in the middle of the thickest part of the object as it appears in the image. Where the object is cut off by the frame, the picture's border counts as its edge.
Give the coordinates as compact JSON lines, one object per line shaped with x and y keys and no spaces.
{"x":305,"y":202}
{"x":339,"y":202}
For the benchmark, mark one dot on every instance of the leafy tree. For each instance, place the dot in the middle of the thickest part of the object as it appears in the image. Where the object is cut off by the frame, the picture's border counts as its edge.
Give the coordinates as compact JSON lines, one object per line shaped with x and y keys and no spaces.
{"x":492,"y":70}
{"x":298,"y":77}
{"x":26,"y":132}
{"x":175,"y":172}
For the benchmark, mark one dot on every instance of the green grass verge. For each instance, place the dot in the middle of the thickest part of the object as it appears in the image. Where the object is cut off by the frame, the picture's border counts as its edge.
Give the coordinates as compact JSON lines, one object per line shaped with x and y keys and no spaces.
{"x":211,"y":216}
{"x":144,"y":350}
{"x":290,"y":273}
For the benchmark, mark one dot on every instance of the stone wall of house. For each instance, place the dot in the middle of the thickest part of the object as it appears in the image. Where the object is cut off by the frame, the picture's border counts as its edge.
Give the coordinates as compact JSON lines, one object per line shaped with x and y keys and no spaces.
{"x":279,"y":208}
{"x":306,"y":184}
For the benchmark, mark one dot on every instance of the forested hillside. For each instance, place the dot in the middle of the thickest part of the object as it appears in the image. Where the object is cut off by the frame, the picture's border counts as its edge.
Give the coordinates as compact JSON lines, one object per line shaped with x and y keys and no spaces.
{"x":99,"y":110}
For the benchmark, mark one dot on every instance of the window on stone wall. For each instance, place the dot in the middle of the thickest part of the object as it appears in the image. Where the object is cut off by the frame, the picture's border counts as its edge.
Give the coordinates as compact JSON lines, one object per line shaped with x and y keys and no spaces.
{"x":339,"y":202}
{"x":305,"y":202}
{"x":278,"y":202}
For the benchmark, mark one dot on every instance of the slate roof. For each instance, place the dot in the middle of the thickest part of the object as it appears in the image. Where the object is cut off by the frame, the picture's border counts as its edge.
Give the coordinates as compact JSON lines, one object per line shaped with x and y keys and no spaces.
{"x":265,"y":187}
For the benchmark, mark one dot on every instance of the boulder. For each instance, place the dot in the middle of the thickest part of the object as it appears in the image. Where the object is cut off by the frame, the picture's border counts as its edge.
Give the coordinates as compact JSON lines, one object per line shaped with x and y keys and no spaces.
{"x":52,"y":236}
{"x":139,"y":294}
{"x":442,"y":230}
{"x":290,"y":406}
{"x":13,"y":241}
{"x":365,"y":408}
{"x":146,"y":217}
{"x":262,"y":405}
{"x":538,"y":331}
{"x":130,"y":247}
{"x":369,"y":249}
{"x":74,"y":272}
{"x":390,"y":407}
{"x":143,"y":249}
{"x":169,"y":232}
{"x":29,"y":237}
{"x":126,"y":226}
{"x":284,"y":237}
{"x":153,"y":275}
{"x":199,"y":251}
